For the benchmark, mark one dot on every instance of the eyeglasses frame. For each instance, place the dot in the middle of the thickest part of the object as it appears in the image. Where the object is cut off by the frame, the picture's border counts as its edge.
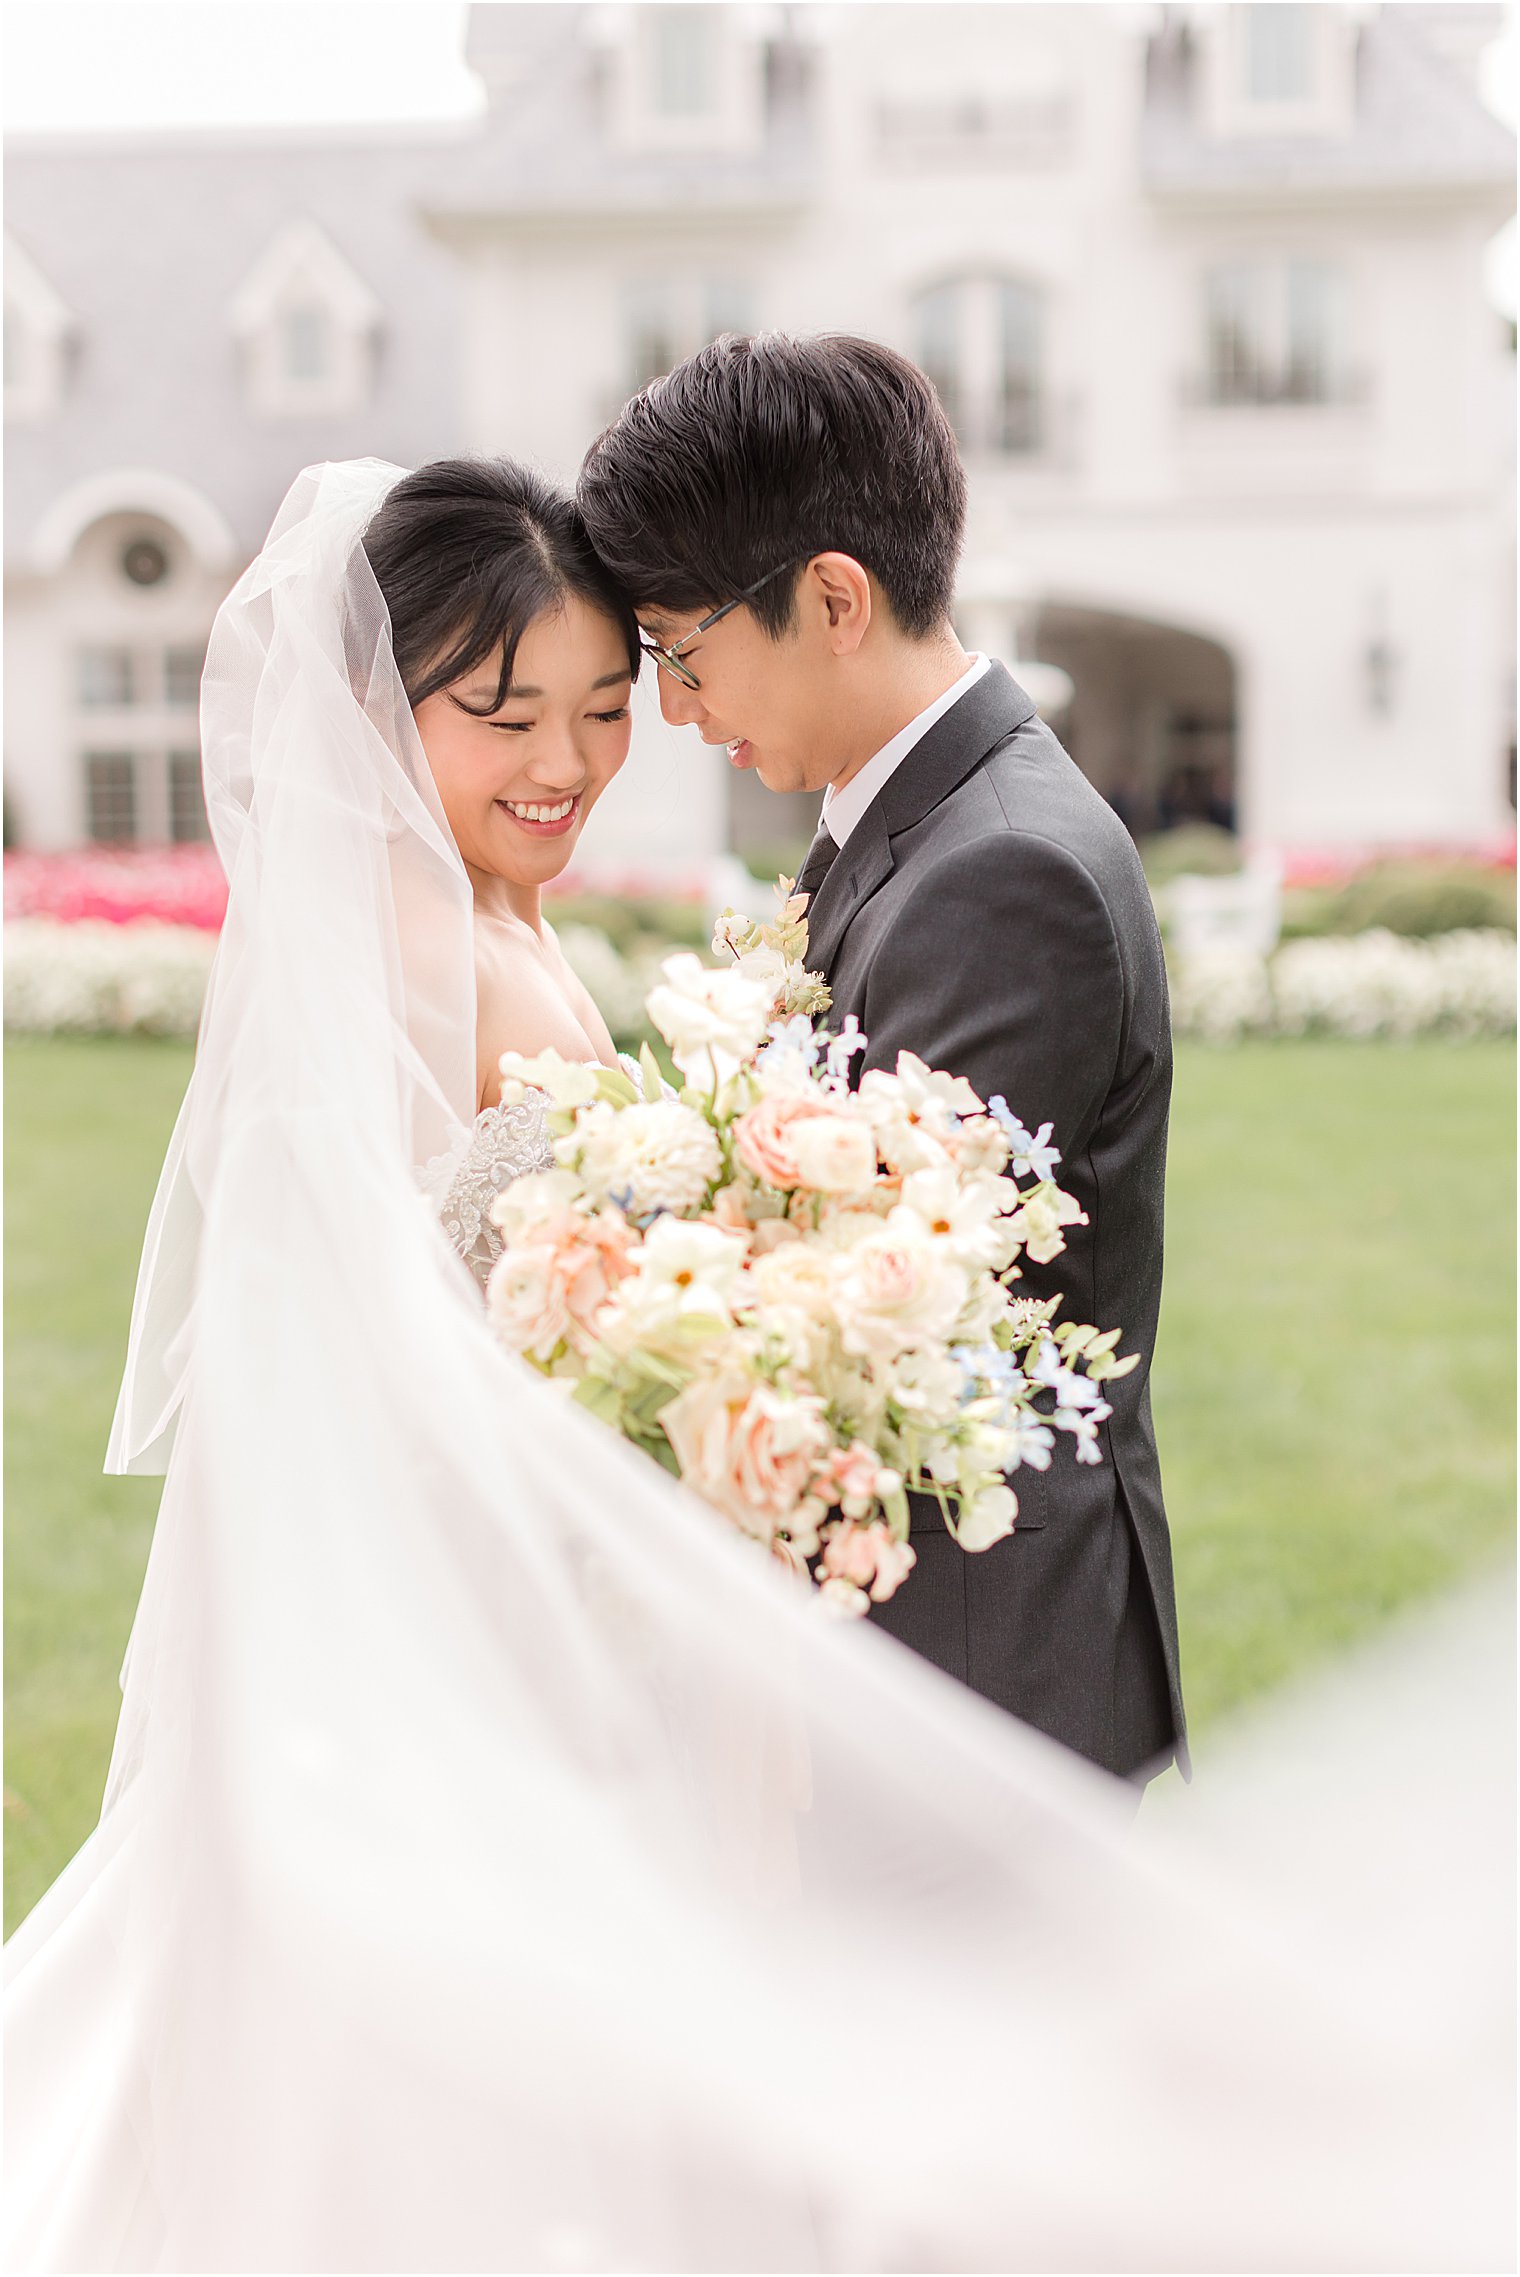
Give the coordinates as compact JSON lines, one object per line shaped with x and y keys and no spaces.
{"x":670,"y":657}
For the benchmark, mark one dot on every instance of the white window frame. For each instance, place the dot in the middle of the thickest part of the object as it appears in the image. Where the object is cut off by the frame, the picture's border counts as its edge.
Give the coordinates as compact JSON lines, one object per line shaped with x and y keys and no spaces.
{"x":734,"y":120}
{"x":977,"y":411}
{"x":1328,"y":107}
{"x":301,"y":268}
{"x":1271,"y":275}
{"x":150,"y":730}
{"x":42,"y":329}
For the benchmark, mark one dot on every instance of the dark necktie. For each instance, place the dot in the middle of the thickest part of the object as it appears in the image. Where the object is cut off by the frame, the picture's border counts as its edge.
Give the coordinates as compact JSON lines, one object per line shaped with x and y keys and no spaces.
{"x":820,"y":856}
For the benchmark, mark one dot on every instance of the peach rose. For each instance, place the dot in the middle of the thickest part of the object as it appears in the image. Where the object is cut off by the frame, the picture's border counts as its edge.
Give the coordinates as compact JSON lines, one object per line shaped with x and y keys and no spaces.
{"x":540,"y":1292}
{"x":525,"y":1296}
{"x":745,"y":1449}
{"x":591,"y":1263}
{"x":764,"y":1135}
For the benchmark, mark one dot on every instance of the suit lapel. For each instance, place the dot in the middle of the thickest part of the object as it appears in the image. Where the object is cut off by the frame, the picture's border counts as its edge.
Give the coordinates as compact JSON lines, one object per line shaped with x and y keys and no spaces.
{"x":856,"y":871}
{"x":953,"y":748}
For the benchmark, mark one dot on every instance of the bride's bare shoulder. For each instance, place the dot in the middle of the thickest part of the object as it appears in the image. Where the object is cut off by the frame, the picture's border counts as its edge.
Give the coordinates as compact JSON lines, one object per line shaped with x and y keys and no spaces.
{"x":519,"y":1006}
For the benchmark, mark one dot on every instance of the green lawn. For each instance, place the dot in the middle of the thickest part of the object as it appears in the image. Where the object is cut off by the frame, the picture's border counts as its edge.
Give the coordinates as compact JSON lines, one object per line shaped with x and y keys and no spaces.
{"x":1333,"y":1385}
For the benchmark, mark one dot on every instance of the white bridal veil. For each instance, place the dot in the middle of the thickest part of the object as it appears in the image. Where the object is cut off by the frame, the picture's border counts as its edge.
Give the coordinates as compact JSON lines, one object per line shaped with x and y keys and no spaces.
{"x":503,"y":1867}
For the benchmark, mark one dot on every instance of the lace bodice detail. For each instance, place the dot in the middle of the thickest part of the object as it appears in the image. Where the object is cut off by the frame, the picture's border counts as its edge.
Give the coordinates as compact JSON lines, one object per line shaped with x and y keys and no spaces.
{"x":501,"y":1144}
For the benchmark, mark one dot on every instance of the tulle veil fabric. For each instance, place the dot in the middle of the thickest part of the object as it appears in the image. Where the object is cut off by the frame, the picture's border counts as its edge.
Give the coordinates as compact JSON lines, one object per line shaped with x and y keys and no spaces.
{"x":504,"y":1868}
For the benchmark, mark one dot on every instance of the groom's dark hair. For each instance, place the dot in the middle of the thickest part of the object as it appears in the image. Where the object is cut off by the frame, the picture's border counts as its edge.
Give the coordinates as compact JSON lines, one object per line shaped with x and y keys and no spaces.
{"x":755,"y":454}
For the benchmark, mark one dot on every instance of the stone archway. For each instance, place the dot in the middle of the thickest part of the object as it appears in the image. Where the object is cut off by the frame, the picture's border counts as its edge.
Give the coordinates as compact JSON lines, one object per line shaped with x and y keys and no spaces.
{"x":1152,"y":720}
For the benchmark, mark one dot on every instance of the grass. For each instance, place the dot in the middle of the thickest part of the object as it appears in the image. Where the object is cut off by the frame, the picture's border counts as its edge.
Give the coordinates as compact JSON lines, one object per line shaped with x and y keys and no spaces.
{"x":1333,"y":1380}
{"x":86,"y":1126}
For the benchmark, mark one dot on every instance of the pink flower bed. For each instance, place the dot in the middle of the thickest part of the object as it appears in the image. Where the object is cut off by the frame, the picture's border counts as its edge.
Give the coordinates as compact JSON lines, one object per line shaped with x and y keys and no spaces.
{"x":184,"y":885}
{"x":176,"y":885}
{"x":1336,"y":866}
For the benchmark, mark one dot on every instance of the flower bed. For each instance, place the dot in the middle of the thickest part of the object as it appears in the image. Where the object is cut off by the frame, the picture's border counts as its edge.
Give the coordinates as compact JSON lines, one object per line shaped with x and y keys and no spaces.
{"x":93,"y":977}
{"x":98,"y":979}
{"x":174,"y":885}
{"x":1359,"y":986}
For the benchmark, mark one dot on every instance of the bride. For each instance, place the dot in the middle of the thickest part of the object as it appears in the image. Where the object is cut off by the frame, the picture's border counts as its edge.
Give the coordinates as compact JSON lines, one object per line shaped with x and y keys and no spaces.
{"x":502,"y":1867}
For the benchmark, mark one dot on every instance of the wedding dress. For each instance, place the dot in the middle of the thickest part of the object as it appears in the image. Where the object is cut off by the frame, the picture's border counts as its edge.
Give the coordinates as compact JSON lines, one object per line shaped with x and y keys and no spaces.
{"x":505,"y":1867}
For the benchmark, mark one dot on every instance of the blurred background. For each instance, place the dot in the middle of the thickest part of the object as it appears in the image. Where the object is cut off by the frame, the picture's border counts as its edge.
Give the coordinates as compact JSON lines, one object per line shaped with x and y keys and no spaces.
{"x":1220,"y":300}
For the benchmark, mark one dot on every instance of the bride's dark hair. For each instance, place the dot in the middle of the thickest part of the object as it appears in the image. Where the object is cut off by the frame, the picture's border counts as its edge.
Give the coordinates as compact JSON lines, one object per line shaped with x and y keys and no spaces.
{"x":467,"y":553}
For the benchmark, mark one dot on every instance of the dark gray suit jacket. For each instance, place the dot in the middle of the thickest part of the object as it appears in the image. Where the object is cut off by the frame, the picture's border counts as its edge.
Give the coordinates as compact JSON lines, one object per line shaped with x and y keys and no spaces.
{"x":989,"y":913}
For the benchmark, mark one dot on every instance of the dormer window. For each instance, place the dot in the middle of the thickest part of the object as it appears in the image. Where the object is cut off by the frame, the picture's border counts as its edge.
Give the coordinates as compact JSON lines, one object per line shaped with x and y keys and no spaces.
{"x":687,"y":77}
{"x":308,"y":354}
{"x":1277,"y":65}
{"x":1283,"y":67}
{"x":40,"y":332}
{"x":682,"y":60}
{"x":307,"y":323}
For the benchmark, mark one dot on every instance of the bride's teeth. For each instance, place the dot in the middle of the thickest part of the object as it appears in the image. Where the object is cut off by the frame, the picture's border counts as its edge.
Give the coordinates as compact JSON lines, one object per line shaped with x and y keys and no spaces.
{"x":540,"y":813}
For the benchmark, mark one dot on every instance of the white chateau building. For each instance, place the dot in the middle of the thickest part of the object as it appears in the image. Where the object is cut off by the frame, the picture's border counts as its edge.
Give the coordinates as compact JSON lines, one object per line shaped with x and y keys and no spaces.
{"x":1202,"y":287}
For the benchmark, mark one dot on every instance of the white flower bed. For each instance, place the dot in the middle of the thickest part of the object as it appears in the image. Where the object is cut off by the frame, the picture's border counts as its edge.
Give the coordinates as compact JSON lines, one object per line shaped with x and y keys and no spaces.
{"x":1358,"y":986}
{"x":148,"y":979}
{"x":93,"y":979}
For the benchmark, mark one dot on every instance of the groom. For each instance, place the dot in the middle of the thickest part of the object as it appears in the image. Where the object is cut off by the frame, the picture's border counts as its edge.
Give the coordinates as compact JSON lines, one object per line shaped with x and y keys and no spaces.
{"x":788,"y":514}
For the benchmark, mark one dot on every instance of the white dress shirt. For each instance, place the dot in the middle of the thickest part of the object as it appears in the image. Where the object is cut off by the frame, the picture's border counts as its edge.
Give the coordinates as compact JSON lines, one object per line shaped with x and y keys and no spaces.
{"x":843,"y":809}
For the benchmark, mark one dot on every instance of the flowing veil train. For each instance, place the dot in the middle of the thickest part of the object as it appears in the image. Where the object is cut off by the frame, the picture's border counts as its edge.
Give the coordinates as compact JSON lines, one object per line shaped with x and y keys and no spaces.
{"x":504,"y":1868}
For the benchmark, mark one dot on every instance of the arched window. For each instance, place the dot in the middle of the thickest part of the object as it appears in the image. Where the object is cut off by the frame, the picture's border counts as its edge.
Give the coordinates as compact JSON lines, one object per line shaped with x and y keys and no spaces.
{"x":981,"y":341}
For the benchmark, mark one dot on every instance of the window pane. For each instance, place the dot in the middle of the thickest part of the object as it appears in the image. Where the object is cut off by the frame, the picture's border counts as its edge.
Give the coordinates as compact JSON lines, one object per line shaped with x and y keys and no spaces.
{"x":1018,"y":408}
{"x":187,"y":804}
{"x":1237,"y":346}
{"x":182,"y":675}
{"x":1280,"y":52}
{"x":307,"y":342}
{"x":110,"y":796}
{"x":1313,"y":346}
{"x":937,"y":346}
{"x":105,"y":677}
{"x":685,"y":54}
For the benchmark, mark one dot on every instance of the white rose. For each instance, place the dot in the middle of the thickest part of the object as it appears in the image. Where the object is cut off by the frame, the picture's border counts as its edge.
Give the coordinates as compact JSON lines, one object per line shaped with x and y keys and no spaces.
{"x":708,"y":1016}
{"x":834,"y":1154}
{"x":525,"y":1297}
{"x":658,"y":1157}
{"x":899,"y":1288}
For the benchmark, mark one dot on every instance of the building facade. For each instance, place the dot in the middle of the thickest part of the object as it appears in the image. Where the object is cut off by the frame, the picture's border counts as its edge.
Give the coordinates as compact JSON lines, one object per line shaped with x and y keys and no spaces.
{"x":1201,"y":287}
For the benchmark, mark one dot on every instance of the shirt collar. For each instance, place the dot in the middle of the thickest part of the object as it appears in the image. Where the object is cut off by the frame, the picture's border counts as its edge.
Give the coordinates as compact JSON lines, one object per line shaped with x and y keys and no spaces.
{"x":843,"y":809}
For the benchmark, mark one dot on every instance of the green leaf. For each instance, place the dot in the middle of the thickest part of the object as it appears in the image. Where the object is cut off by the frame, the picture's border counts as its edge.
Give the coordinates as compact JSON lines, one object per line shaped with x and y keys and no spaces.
{"x":654,"y":1082}
{"x":616,"y":1087}
{"x":600,"y":1399}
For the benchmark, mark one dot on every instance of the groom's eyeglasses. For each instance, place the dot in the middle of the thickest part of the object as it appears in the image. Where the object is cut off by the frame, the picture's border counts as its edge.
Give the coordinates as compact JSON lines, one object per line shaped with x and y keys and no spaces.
{"x":670,"y":658}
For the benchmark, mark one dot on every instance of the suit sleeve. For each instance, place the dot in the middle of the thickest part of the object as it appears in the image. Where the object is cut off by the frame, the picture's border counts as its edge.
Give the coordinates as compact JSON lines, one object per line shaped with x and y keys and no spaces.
{"x":1002,"y":966}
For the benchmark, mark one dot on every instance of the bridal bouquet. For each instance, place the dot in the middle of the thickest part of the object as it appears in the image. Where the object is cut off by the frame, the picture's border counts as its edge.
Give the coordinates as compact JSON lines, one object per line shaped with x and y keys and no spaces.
{"x":796,"y":1295}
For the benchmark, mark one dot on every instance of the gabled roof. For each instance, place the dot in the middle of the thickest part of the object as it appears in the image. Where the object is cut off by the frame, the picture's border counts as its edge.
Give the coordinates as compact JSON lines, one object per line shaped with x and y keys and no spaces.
{"x":302,"y":254}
